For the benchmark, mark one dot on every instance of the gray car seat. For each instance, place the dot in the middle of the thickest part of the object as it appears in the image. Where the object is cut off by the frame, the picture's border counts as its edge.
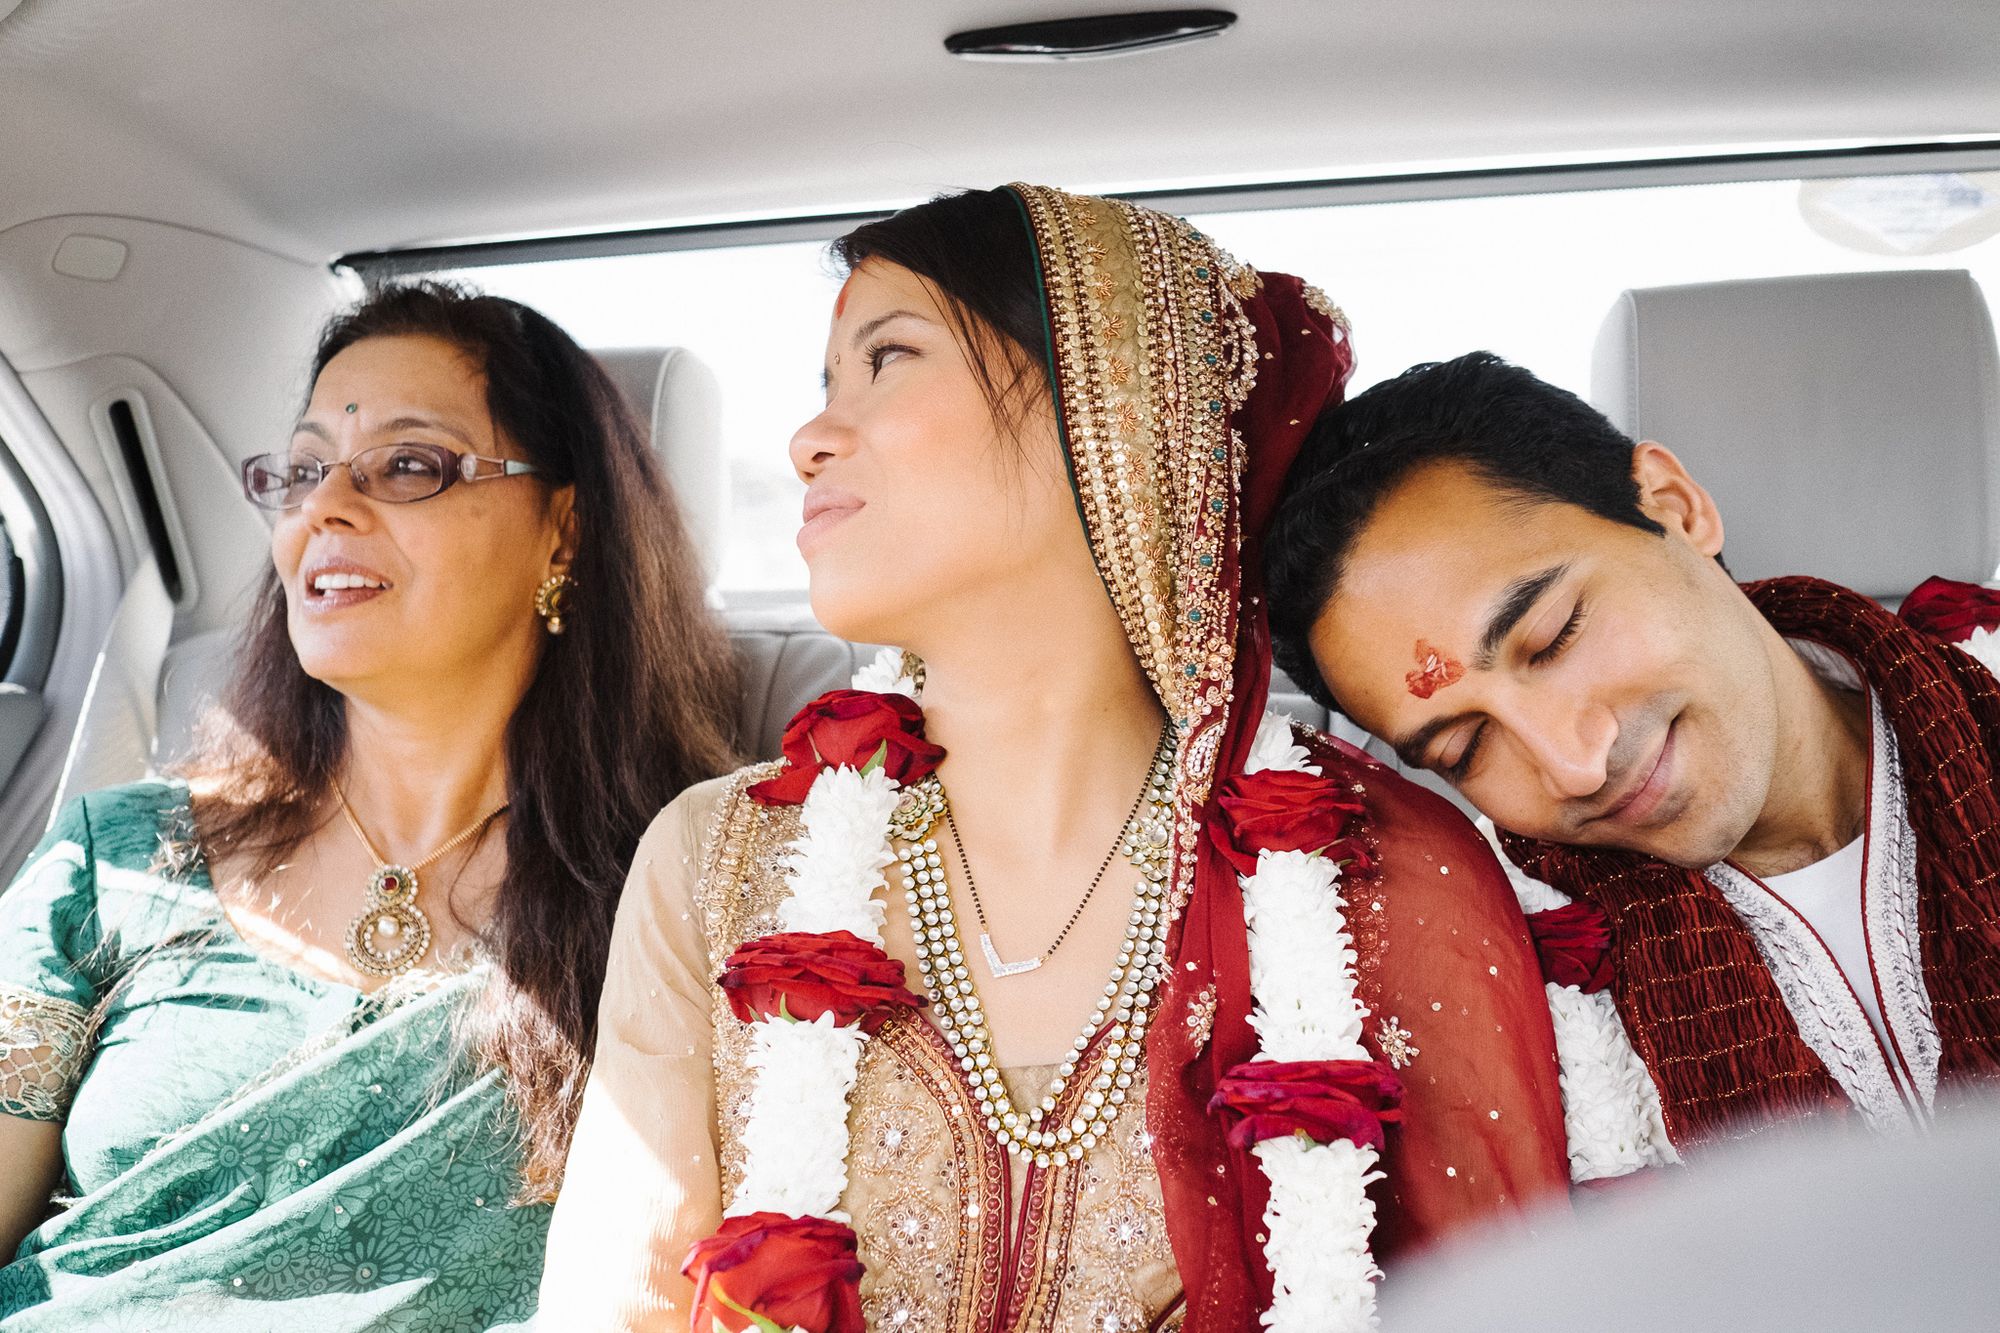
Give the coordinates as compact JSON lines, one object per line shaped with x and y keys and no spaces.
{"x":1845,"y":423}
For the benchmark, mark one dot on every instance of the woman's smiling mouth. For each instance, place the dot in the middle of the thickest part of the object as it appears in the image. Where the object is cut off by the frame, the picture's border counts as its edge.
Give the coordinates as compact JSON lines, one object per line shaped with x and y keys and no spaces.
{"x":333,"y":585}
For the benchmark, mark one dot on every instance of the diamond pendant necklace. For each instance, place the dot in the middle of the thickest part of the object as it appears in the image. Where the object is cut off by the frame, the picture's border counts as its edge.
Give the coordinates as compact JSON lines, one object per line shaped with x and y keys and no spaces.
{"x":1121,"y":1012}
{"x":392,"y":932}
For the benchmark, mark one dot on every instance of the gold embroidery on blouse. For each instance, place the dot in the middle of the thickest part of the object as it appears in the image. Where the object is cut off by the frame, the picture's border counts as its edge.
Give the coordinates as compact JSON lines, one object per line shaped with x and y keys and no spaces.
{"x":44,"y":1042}
{"x":1120,"y":1258}
{"x":726,"y":878}
{"x":930,"y":1214}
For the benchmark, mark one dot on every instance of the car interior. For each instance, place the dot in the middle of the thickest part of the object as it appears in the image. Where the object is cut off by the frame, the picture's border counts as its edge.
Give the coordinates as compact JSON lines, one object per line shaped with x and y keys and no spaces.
{"x":1758,"y":233}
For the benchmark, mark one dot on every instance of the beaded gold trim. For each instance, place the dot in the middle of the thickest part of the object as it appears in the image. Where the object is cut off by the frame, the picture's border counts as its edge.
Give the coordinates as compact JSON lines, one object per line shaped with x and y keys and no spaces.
{"x":1153,"y":354}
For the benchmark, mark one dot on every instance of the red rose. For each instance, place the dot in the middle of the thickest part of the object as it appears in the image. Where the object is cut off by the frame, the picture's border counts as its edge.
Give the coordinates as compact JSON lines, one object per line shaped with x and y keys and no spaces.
{"x":1283,"y":810}
{"x":800,"y":975}
{"x":851,"y":729}
{"x":1574,"y":943}
{"x":795,"y":1272}
{"x":1949,"y":611}
{"x":1323,"y":1099}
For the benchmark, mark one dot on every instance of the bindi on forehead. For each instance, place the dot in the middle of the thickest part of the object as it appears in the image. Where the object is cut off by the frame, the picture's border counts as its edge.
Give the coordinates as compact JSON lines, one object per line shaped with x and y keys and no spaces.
{"x":840,"y":301}
{"x":1436,"y":669}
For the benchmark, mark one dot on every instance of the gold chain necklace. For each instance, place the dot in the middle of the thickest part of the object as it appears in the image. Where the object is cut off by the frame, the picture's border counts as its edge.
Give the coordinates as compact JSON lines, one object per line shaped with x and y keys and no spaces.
{"x":392,"y":932}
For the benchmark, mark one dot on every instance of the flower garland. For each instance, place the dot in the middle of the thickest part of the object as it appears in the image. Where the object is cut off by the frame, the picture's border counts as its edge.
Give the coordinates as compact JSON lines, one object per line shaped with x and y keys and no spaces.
{"x":1611,"y":1106}
{"x":1314,"y":1101}
{"x":813,"y":992}
{"x":1311,"y":1107}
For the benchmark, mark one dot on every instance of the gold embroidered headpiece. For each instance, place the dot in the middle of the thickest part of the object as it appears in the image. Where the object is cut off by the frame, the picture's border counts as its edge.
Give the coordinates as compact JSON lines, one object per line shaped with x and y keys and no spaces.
{"x":1155,"y":352}
{"x":1152,"y":355}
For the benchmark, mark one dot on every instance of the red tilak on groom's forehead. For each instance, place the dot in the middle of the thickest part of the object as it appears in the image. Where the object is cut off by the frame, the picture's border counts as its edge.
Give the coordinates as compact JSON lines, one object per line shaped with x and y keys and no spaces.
{"x":1435,"y":670}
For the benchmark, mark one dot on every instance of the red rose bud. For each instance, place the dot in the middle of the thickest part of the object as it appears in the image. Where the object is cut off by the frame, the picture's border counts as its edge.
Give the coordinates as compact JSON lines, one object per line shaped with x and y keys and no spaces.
{"x":800,"y":975}
{"x":1325,"y":1100}
{"x":851,"y":729}
{"x":1948,"y":611}
{"x":795,"y":1272}
{"x":1282,"y":810}
{"x":1574,"y":943}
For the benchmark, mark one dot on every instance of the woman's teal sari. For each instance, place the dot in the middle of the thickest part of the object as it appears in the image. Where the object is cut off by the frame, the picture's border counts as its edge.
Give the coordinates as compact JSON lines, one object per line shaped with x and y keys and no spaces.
{"x":248,"y":1148}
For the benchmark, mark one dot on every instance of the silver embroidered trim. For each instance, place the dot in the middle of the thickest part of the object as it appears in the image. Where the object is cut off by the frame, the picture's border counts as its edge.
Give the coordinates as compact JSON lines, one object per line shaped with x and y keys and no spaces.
{"x":43,"y":1045}
{"x":1814,"y":988}
{"x":1891,"y":911}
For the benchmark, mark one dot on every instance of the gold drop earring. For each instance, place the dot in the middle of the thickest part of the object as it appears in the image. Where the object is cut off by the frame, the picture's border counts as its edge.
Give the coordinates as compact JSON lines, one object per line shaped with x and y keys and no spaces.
{"x":552,"y":599}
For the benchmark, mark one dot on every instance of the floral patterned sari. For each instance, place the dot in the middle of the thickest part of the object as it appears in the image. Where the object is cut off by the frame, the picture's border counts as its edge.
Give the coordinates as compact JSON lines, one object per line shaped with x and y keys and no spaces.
{"x":245,"y":1147}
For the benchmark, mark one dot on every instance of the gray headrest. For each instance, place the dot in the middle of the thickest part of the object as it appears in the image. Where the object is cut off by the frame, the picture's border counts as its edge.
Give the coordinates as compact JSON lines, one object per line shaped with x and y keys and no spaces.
{"x":679,"y":397}
{"x":1847,"y":425}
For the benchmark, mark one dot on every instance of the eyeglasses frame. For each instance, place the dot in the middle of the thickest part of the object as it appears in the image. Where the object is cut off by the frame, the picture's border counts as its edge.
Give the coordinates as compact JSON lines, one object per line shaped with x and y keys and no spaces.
{"x":463,"y":467}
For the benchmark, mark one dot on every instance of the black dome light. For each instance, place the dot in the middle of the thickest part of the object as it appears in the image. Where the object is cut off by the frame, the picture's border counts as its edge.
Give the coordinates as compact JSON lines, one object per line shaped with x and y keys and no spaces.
{"x":1092,"y":37}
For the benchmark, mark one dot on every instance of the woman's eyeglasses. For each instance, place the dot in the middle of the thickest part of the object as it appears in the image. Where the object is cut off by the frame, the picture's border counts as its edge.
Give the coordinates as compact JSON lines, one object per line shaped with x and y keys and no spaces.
{"x":396,"y":473}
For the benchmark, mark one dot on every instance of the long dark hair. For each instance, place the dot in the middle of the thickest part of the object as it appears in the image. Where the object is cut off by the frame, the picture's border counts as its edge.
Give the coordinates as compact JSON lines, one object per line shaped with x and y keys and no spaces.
{"x":975,"y":249}
{"x":628,"y":707}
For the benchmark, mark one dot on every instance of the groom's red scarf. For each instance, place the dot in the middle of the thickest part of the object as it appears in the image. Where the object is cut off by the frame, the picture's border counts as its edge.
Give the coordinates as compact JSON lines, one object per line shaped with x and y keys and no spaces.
{"x":1698,"y":1001}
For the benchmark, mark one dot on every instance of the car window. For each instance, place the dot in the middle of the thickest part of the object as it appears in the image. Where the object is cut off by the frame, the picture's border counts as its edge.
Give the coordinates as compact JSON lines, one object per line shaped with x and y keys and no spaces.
{"x":757,"y":314}
{"x":1529,"y":276}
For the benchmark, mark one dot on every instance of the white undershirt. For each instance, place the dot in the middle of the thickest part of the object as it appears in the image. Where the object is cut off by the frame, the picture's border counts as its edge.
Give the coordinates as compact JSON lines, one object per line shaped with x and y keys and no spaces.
{"x":1827,"y":894}
{"x":1830,"y":894}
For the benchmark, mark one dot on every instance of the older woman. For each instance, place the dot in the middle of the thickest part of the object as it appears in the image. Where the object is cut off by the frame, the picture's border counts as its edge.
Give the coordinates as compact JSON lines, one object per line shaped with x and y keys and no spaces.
{"x":299,"y":1038}
{"x":1197,"y":979}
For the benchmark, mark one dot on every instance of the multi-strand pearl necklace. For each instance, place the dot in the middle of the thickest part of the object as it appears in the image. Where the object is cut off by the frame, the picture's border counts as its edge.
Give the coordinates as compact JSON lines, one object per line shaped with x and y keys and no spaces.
{"x":1124,"y":1005}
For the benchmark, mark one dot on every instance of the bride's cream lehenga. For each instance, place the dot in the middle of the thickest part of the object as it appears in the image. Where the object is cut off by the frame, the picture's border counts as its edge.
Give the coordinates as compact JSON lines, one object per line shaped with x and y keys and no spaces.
{"x":1185,"y":383}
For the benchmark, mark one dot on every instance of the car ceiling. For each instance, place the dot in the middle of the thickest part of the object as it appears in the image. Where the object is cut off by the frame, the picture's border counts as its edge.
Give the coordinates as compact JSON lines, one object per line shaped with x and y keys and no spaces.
{"x":316,"y":129}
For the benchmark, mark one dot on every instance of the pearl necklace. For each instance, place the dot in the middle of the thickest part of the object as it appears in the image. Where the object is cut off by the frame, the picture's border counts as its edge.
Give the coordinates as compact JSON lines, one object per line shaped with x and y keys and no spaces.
{"x":1124,"y":1005}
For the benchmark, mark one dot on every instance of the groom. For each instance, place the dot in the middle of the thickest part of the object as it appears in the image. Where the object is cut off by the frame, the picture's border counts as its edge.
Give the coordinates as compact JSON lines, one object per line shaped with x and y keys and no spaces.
{"x":1777,"y":806}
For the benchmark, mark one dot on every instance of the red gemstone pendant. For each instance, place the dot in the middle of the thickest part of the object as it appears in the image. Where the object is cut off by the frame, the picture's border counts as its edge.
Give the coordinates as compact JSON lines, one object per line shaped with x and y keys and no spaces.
{"x":393,"y":884}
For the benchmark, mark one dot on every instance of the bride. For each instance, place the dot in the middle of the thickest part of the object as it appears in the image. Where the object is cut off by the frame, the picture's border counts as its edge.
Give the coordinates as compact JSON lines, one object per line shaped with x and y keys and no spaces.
{"x":1058,"y":987}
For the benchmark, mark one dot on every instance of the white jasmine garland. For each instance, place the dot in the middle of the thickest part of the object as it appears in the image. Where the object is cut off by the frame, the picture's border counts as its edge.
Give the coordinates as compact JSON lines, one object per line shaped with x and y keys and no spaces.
{"x":1611,"y":1106}
{"x":1321,"y":1278}
{"x":1298,"y":944}
{"x":884,"y":675}
{"x":835,"y":865}
{"x":1276,"y":747}
{"x":1611,"y":1109}
{"x":1984,"y":645}
{"x":795,"y":1133}
{"x":1307,"y":1007}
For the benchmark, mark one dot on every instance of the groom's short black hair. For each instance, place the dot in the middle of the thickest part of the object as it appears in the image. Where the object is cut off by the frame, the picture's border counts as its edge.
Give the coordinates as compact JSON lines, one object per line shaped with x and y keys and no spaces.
{"x":1524,"y":435}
